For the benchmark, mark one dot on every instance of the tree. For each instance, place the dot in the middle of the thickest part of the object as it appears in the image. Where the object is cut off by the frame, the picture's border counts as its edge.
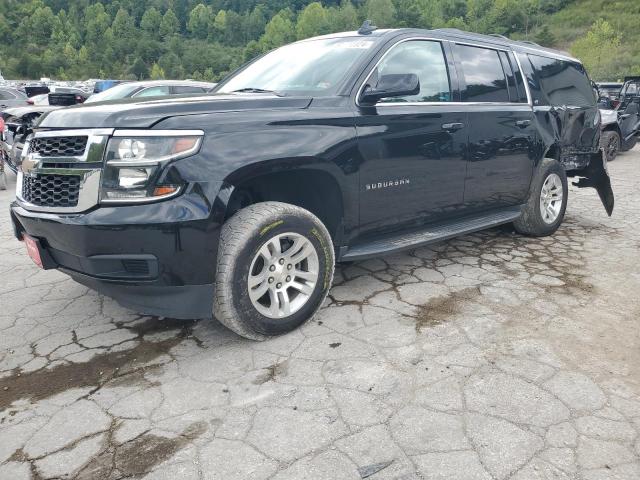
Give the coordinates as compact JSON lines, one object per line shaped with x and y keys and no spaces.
{"x":278,"y":31}
{"x":545,"y":38}
{"x":598,"y":50}
{"x":123,"y":26}
{"x":170,"y":24}
{"x":219,"y":27}
{"x":157,"y":73}
{"x":151,"y":21}
{"x":139,"y":70}
{"x":312,"y":21}
{"x":380,"y":12}
{"x":199,"y":20}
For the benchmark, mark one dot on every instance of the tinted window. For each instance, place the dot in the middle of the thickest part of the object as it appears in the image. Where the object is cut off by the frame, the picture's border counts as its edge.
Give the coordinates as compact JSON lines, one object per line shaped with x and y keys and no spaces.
{"x":522,"y":92}
{"x":187,"y":89}
{"x":511,"y":79}
{"x":483,"y":74}
{"x":563,"y":82}
{"x":153,"y":92}
{"x":6,"y":95}
{"x":426,"y":60}
{"x":313,"y":67}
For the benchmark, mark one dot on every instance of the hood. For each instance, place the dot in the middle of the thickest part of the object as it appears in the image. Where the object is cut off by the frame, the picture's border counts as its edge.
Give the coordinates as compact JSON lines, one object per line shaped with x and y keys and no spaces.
{"x":138,"y":113}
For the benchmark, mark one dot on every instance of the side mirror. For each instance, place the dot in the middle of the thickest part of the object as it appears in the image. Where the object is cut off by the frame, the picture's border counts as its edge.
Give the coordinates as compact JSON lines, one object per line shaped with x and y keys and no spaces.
{"x":393,"y":85}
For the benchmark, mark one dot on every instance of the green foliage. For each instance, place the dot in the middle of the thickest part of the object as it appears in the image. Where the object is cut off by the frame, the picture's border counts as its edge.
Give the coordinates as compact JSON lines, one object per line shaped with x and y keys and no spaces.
{"x":598,"y":49}
{"x":205,"y":39}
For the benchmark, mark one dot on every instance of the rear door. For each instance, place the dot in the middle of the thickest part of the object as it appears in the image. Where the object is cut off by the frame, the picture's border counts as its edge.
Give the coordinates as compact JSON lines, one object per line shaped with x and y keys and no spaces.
{"x":412,"y":148}
{"x":565,"y":91}
{"x":502,"y":133}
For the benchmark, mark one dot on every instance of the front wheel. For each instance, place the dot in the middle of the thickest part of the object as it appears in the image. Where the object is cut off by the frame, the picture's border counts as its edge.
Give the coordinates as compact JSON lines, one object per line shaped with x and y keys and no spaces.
{"x":275,"y":268}
{"x":547,"y":201}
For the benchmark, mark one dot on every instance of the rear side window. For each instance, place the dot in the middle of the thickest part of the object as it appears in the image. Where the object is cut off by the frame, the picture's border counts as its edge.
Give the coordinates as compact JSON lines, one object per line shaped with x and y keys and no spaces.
{"x":483,"y":74}
{"x":187,"y":89}
{"x":563,"y":82}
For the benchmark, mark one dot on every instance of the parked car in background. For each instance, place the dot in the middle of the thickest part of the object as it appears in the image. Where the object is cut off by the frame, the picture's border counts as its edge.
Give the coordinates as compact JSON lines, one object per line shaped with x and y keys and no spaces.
{"x":20,"y":121}
{"x":609,"y":90}
{"x":152,"y":88}
{"x":102,"y":85}
{"x":620,"y":119}
{"x":11,"y":97}
{"x":43,"y":99}
{"x":630,"y":90}
{"x":353,"y":145}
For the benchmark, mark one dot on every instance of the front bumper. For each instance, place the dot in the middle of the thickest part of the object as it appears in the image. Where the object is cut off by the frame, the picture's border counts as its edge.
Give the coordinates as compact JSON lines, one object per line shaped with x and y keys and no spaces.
{"x":157,"y":259}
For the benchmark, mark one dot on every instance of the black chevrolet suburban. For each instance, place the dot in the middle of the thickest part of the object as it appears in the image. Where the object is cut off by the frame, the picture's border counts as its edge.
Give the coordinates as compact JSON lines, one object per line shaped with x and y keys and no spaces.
{"x":238,"y":204}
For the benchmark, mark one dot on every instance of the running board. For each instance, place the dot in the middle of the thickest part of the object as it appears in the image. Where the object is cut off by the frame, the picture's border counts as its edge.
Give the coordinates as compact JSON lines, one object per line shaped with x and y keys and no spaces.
{"x":430,"y":234}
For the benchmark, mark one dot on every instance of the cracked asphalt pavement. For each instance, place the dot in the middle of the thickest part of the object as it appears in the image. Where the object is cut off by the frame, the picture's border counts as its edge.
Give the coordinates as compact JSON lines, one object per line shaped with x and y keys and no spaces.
{"x":491,"y":356}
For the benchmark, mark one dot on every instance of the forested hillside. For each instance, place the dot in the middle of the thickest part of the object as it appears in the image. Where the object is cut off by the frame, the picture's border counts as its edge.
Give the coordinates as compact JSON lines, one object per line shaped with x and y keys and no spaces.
{"x":204,"y":39}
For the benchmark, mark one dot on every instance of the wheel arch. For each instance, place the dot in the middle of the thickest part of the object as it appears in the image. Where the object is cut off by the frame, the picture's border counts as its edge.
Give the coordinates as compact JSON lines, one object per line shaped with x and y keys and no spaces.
{"x":304,"y":184}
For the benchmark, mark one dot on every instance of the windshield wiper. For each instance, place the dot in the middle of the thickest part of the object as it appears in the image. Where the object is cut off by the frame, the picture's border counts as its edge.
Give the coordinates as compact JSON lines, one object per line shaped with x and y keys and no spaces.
{"x":257,"y":90}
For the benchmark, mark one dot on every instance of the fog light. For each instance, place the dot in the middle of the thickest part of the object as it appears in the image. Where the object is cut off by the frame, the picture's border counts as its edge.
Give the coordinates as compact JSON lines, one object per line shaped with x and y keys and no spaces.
{"x":133,"y":177}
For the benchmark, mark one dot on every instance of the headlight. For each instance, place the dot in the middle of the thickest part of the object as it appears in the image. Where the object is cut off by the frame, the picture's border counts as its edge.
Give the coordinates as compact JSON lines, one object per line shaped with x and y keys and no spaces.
{"x":134,"y":160}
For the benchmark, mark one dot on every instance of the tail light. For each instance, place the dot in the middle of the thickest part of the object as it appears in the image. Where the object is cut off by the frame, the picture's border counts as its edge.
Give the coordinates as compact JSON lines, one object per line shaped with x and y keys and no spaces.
{"x":615,"y":103}
{"x":2,"y":125}
{"x":30,"y":101}
{"x":80,"y":99}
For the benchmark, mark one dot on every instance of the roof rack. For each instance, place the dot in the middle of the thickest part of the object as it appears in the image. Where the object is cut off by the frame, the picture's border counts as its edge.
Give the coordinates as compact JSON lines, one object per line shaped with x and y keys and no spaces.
{"x":531,"y":43}
{"x":367,"y":28}
{"x":497,"y":35}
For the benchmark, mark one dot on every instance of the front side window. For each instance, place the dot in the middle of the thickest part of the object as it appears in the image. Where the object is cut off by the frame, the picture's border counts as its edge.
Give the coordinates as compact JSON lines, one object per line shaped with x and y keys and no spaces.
{"x":426,"y":59}
{"x":563,"y":82}
{"x":152,"y":92}
{"x":483,"y":74}
{"x":313,"y":67}
{"x":114,"y":93}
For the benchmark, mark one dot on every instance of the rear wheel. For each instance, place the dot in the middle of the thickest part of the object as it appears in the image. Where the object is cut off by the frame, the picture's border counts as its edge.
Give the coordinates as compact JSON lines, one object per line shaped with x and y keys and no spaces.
{"x":610,"y":142}
{"x":547,"y":202}
{"x":275,"y":267}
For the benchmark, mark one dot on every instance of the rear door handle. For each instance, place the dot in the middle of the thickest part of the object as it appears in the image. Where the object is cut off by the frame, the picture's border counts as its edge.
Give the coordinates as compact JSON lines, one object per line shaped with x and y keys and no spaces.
{"x":523,"y":123}
{"x":452,"y":127}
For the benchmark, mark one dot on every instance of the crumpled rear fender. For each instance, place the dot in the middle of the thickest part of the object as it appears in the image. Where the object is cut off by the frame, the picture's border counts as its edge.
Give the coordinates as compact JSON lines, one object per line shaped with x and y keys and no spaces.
{"x":596,"y":175}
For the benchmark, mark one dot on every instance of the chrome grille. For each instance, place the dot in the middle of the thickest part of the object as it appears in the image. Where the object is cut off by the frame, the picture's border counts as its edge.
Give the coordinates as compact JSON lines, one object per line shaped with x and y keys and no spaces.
{"x":59,"y":146}
{"x":51,"y":190}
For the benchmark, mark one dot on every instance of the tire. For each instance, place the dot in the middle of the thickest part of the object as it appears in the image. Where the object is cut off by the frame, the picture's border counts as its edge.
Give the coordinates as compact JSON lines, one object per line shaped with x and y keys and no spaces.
{"x":611,"y":143}
{"x":532,"y":221}
{"x":629,"y":144}
{"x":241,"y":258}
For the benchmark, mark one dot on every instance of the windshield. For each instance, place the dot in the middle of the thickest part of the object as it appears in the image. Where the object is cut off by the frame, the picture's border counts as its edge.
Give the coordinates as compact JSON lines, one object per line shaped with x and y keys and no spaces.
{"x":114,"y":93}
{"x":315,"y":67}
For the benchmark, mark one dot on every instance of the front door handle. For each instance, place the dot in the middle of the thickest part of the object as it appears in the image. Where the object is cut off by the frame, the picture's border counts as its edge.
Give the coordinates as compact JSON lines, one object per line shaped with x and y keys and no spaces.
{"x":452,"y":127}
{"x":523,"y":123}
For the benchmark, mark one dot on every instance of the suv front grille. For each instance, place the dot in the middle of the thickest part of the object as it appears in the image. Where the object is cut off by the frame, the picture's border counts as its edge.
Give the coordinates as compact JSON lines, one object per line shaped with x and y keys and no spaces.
{"x":51,"y":190}
{"x":59,"y":146}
